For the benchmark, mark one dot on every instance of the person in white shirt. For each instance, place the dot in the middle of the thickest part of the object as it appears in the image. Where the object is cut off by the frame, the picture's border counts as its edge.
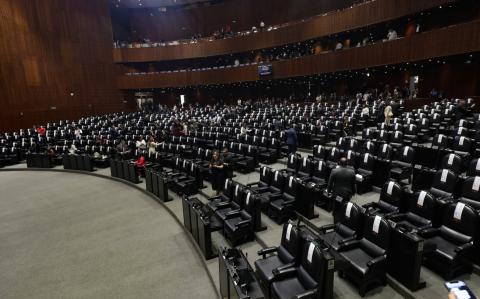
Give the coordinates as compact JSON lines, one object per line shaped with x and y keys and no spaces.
{"x":72,"y":150}
{"x":262,"y":25}
{"x":141,"y":144}
{"x":152,"y":145}
{"x":392,"y":34}
{"x":78,"y":133}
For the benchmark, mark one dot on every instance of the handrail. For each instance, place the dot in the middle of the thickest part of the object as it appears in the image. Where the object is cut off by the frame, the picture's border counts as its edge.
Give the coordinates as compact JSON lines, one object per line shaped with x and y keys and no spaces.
{"x":359,"y":16}
{"x":452,"y":40}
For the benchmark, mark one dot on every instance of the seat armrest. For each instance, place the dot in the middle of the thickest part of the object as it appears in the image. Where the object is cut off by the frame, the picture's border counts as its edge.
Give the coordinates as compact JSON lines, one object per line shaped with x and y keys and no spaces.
{"x":369,"y":205}
{"x":223,"y":204}
{"x":263,"y":252}
{"x":307,"y":295}
{"x":346,"y":240}
{"x":232,"y":214}
{"x":286,"y":266}
{"x":376,"y":261}
{"x":389,"y":215}
{"x":244,"y":223}
{"x":213,"y":198}
{"x":283,"y":273}
{"x":348,"y":245}
{"x":275,"y":196}
{"x":288,"y":202}
{"x":328,"y":227}
{"x":395,"y":216}
{"x":465,"y":247}
{"x":428,"y":232}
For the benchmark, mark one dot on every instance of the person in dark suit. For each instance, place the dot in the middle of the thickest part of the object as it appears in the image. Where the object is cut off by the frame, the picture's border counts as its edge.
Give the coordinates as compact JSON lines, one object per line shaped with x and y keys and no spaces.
{"x":218,"y":172}
{"x":341,"y":186}
{"x":292,"y":140}
{"x":342,"y":181}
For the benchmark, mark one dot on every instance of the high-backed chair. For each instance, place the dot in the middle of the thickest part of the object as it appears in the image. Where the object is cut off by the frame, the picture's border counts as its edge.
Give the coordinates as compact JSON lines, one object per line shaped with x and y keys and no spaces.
{"x":283,"y":256}
{"x":390,"y":201}
{"x":470,"y":192}
{"x":292,"y":164}
{"x":264,"y":182}
{"x":474,"y":168}
{"x":304,"y":280}
{"x":305,"y":168}
{"x":452,"y":162}
{"x":320,"y":172}
{"x":364,"y":173}
{"x":444,"y":183}
{"x":385,"y":152}
{"x":225,"y":196}
{"x":239,"y":225}
{"x":449,"y":248}
{"x":402,"y":166}
{"x":367,"y":256}
{"x":420,"y":213}
{"x":347,"y":228}
{"x":282,"y":205}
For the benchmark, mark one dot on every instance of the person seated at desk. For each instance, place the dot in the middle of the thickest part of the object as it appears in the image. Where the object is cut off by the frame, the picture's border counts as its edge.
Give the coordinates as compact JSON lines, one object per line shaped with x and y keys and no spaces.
{"x":122,"y":149}
{"x":72,"y":150}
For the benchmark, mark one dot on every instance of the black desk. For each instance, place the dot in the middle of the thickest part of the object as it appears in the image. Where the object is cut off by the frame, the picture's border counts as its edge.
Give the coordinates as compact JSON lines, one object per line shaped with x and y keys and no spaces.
{"x":200,"y":223}
{"x":206,"y":224}
{"x":404,"y":258}
{"x":237,"y":278}
{"x":305,"y":203}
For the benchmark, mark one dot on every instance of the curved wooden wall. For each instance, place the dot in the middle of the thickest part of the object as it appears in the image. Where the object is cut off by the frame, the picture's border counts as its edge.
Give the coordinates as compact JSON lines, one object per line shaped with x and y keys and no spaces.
{"x":55,"y":61}
{"x":376,"y":11}
{"x":463,"y":38}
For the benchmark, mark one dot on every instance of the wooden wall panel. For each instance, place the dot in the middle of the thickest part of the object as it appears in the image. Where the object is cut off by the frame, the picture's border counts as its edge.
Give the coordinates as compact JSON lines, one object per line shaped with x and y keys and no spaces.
{"x":50,"y":49}
{"x":464,"y":38}
{"x":372,"y":12}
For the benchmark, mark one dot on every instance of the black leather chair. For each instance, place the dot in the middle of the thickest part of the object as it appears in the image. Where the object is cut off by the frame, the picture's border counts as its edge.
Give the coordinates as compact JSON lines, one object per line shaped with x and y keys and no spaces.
{"x":452,"y":162}
{"x":236,"y":204}
{"x":420,"y":214}
{"x":320,"y":173}
{"x":402,"y":166}
{"x":474,"y":168}
{"x":449,"y":248}
{"x":264,"y":182}
{"x":364,"y":173}
{"x":239,"y":224}
{"x":470,"y":192}
{"x":444,"y":183}
{"x":319,"y":152}
{"x":282,"y":256}
{"x":275,"y":188}
{"x":281,"y":206}
{"x":348,"y":226}
{"x":292,"y":164}
{"x":385,"y":152}
{"x":304,"y":280}
{"x":305,"y":168}
{"x":391,"y":200}
{"x":367,"y":256}
{"x":225,"y":196}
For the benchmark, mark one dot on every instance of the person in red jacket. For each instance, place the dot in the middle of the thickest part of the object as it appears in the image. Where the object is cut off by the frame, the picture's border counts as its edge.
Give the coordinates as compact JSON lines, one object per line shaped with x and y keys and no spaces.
{"x":140,"y":165}
{"x":41,"y":131}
